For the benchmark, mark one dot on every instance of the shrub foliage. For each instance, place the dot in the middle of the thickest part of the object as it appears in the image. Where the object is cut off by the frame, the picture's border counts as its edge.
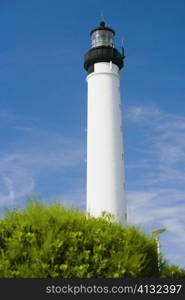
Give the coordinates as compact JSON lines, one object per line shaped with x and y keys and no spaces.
{"x":49,"y":241}
{"x":173,"y":271}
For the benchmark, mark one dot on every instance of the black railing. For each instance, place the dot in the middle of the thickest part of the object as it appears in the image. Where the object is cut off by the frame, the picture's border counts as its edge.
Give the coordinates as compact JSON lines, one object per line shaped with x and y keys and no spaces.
{"x":103,"y":54}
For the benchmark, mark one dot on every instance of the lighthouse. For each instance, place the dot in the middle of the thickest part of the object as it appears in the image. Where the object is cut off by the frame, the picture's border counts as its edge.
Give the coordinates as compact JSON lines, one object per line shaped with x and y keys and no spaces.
{"x":105,"y":155}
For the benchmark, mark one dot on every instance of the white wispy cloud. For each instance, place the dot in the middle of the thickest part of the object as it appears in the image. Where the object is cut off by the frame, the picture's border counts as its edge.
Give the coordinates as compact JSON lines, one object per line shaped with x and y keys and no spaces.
{"x":142,"y":113}
{"x":35,"y":153}
{"x":11,"y":192}
{"x":164,"y":142}
{"x":156,"y":197}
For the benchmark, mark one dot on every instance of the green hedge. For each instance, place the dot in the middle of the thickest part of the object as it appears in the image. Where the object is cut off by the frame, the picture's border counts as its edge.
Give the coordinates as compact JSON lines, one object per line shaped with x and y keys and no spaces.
{"x":172,"y":271}
{"x":48,"y":241}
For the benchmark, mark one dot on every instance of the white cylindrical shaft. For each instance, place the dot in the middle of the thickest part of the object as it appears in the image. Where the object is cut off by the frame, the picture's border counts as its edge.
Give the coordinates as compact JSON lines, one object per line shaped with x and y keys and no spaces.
{"x":105,"y":157}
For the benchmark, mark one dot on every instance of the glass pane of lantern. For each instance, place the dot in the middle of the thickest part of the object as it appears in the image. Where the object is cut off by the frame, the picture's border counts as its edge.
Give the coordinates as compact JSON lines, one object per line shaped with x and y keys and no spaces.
{"x":102,"y":38}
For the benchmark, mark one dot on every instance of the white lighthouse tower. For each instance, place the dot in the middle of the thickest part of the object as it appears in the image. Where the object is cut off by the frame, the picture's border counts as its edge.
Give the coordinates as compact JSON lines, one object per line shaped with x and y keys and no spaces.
{"x":105,"y":155}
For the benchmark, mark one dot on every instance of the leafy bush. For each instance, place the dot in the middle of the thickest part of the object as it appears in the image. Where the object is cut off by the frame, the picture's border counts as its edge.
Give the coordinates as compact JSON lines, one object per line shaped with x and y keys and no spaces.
{"x":172,"y":271}
{"x":48,"y":241}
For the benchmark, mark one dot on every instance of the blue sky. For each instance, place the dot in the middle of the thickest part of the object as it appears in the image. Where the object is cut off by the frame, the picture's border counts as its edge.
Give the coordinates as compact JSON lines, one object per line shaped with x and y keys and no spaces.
{"x":43,"y":106}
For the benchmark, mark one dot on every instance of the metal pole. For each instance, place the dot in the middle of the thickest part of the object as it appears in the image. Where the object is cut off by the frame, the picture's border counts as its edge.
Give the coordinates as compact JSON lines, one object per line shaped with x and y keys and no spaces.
{"x":156,"y":234}
{"x":158,"y":253}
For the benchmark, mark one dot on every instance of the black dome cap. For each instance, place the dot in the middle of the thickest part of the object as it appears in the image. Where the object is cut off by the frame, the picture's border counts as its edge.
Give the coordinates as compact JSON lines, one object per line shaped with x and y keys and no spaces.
{"x":102,"y":27}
